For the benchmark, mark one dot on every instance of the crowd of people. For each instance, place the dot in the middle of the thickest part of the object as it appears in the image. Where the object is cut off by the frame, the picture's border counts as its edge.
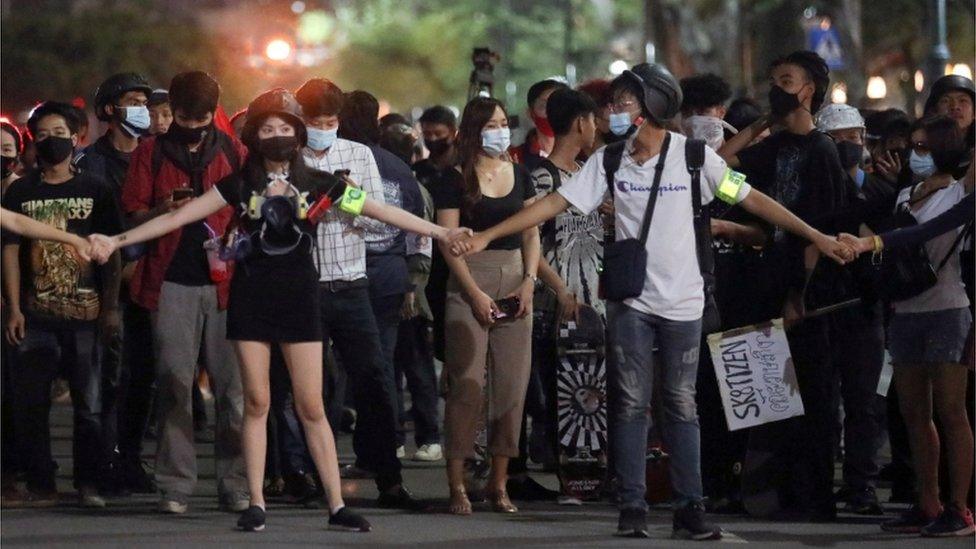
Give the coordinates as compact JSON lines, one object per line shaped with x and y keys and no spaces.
{"x":315,"y":260}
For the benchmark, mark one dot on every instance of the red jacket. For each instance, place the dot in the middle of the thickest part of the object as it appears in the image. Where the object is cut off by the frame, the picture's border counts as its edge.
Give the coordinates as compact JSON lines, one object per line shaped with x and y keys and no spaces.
{"x":141,"y":192}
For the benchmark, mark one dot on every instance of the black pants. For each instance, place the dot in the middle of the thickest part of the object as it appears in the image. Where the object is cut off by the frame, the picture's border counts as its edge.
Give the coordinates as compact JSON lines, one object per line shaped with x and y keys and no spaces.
{"x":348,"y":321}
{"x":808,"y":449}
{"x":138,"y":381}
{"x":857,"y":355}
{"x":9,"y":456}
{"x":72,"y":351}
{"x":722,"y":451}
{"x":414,"y":360}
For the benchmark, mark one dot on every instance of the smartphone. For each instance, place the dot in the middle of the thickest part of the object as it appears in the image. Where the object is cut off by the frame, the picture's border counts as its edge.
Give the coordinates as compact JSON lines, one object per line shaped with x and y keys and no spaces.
{"x":507,"y":308}
{"x":182,"y":194}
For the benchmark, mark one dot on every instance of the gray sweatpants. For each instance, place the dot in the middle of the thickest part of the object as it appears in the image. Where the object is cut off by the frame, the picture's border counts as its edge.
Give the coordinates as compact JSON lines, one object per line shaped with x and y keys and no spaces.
{"x":186,"y":316}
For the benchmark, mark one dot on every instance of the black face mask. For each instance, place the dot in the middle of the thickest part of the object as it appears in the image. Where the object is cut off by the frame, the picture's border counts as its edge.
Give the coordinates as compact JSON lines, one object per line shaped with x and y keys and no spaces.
{"x":437,"y":147}
{"x":278,"y":148}
{"x":187,"y":136}
{"x":54,"y":150}
{"x":850,"y":154}
{"x":781,"y":102}
{"x":7,"y":165}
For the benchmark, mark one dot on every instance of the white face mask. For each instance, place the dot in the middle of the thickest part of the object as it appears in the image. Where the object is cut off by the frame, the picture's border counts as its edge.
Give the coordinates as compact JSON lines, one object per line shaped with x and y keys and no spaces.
{"x":320,"y":140}
{"x":495,"y":142}
{"x":135,"y":120}
{"x":709,"y":128}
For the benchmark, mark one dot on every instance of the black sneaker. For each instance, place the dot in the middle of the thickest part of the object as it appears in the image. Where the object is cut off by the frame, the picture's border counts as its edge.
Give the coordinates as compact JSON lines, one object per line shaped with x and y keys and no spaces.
{"x":689,"y":523}
{"x":137,"y":480}
{"x":252,"y":520}
{"x":910,"y":522}
{"x":951,"y":522}
{"x":863,"y":502}
{"x":632,"y":523}
{"x":527,"y":489}
{"x":349,"y":520}
{"x":400,"y":498}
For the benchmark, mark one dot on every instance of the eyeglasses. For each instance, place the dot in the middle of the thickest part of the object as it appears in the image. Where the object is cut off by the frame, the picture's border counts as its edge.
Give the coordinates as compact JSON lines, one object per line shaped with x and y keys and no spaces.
{"x":920,"y":147}
{"x":622,"y":106}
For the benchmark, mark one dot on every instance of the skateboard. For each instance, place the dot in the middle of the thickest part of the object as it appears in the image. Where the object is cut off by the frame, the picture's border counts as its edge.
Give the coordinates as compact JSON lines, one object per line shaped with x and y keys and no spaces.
{"x":581,"y":405}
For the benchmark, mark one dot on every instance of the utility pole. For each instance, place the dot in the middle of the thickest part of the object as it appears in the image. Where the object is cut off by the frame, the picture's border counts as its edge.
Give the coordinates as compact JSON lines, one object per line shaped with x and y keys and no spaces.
{"x":939,"y":55}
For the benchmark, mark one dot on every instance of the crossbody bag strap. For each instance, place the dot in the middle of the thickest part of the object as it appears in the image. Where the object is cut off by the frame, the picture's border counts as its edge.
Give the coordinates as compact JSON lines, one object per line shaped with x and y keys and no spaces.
{"x":652,"y":199}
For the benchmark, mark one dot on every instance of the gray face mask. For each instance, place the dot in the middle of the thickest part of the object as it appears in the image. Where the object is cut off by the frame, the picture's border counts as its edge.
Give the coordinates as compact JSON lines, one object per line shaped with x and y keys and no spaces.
{"x":710,"y":128}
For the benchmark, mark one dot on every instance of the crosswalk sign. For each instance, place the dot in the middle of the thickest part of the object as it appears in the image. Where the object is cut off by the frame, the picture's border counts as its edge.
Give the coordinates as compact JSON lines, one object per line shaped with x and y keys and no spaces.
{"x":826,"y":43}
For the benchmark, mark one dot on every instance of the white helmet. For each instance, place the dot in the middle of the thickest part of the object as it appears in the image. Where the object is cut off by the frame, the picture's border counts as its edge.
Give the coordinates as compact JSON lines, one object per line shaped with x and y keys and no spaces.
{"x":838,"y":116}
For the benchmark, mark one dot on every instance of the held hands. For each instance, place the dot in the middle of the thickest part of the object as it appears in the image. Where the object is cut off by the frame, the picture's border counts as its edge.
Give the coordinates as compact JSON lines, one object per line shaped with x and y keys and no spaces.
{"x":839,"y":251}
{"x":83,"y":246}
{"x":450,"y":236}
{"x":102,"y":247}
{"x":468,"y":244}
{"x":860,"y":245}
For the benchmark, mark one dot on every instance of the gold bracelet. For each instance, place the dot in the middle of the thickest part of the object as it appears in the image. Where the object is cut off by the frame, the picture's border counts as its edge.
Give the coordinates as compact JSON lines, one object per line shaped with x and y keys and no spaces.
{"x":878,"y":244}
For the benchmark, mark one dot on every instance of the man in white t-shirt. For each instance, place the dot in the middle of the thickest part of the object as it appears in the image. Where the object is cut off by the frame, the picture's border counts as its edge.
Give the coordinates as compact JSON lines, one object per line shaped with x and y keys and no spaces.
{"x":669,"y":309}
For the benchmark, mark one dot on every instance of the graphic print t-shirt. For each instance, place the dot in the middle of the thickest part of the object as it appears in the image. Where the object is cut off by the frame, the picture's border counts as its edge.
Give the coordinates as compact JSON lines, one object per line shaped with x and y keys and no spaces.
{"x":573,"y":243}
{"x":57,"y":284}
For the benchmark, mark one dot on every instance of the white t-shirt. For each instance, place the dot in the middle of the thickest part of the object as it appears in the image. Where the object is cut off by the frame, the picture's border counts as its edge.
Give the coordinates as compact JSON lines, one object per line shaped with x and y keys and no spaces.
{"x":673,"y":286}
{"x":949,"y":291}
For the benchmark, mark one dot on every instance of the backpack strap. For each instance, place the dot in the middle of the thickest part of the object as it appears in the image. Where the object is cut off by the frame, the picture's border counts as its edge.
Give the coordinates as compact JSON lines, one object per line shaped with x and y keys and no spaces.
{"x":557,"y":178}
{"x":613,"y":154}
{"x":695,"y":160}
{"x":968,"y":230}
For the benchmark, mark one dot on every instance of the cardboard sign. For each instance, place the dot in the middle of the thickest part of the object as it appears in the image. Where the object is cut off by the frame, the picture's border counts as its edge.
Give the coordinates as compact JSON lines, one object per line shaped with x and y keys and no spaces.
{"x":755,"y":375}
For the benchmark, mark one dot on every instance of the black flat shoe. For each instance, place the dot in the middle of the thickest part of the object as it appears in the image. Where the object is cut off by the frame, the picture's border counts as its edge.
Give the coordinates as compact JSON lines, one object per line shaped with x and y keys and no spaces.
{"x":252,"y":520}
{"x":348,"y":520}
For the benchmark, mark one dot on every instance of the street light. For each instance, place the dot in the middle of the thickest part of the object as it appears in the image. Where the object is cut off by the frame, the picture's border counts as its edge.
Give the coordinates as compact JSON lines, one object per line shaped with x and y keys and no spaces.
{"x":962,"y":69}
{"x":877,"y":89}
{"x":277,"y":50}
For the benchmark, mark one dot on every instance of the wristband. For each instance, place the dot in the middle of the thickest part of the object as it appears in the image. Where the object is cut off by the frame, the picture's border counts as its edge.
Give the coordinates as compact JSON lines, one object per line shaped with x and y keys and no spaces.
{"x":878,"y":243}
{"x":353,"y":200}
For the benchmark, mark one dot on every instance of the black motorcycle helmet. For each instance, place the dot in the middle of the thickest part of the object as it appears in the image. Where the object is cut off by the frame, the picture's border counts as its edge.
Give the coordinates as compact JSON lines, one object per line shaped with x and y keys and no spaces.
{"x":278,"y":102}
{"x":661,"y":92}
{"x":114,"y":86}
{"x":946,"y":84}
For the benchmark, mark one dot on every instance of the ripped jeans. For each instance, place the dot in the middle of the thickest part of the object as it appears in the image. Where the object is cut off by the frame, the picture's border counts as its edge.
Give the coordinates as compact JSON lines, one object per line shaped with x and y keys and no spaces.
{"x":633,"y":335}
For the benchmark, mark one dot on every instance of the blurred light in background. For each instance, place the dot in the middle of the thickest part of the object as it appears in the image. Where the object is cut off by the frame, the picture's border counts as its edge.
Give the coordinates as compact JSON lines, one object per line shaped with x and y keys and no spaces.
{"x":314,"y":27}
{"x":298,"y":6}
{"x":839,"y":93}
{"x":962,"y":69}
{"x":618,"y":67}
{"x":919,"y":81}
{"x":278,"y":50}
{"x":877,"y":89}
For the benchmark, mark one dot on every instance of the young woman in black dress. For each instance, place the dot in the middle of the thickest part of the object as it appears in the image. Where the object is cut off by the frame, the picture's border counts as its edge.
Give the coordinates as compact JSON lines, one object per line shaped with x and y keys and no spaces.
{"x":274,"y":290}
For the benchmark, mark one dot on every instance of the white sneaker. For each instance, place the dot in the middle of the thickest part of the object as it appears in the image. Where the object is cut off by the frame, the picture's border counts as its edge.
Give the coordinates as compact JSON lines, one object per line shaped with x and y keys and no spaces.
{"x":401,"y":452}
{"x":428,"y":452}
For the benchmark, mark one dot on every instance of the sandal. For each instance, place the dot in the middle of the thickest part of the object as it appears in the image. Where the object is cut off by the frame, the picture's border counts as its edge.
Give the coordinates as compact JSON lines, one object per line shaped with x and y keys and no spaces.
{"x":460,"y":504}
{"x":500,"y":502}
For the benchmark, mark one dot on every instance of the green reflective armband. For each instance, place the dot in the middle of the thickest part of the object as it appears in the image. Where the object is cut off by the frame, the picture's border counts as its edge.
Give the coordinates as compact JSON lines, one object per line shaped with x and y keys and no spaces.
{"x":352,"y":201}
{"x":728,"y":189}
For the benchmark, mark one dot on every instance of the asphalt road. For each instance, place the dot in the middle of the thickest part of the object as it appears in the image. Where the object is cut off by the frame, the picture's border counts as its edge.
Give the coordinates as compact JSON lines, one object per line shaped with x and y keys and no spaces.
{"x":132,"y":522}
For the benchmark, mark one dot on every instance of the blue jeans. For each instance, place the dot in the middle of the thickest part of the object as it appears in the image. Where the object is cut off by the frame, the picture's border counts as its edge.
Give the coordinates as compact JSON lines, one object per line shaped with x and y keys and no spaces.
{"x":633,"y":334}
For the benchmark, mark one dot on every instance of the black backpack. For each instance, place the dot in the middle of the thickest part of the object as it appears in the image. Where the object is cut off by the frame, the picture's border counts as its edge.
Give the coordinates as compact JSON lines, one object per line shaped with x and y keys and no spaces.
{"x":694,"y":160}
